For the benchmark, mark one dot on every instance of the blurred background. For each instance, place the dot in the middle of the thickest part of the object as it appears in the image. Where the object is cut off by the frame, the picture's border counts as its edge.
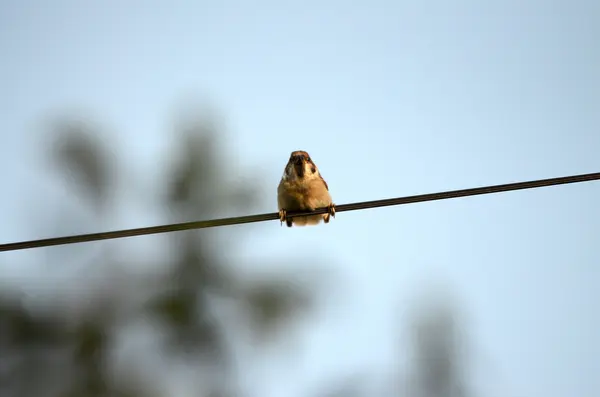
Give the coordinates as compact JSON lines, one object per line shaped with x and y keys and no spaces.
{"x":130,"y":114}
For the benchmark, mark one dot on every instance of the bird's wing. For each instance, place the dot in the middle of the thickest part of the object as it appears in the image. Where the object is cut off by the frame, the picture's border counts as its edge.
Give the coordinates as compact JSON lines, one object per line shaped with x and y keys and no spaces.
{"x":324,"y":183}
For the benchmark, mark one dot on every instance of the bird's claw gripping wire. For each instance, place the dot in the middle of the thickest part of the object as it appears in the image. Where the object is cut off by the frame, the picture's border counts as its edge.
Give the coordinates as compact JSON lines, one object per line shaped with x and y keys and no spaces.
{"x":282,"y":216}
{"x":330,"y":213}
{"x":331,"y":209}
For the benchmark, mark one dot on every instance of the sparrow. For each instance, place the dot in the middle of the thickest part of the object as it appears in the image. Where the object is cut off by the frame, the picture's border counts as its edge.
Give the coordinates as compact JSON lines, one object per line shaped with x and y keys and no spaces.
{"x":303,"y":188}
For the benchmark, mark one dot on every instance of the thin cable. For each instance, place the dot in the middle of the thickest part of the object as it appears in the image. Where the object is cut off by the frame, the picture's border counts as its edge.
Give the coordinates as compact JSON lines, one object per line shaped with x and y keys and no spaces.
{"x":275,"y":216}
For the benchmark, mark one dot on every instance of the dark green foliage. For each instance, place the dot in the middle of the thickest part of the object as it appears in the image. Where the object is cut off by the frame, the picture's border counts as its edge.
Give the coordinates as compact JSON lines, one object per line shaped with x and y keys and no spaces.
{"x":61,"y":352}
{"x":180,"y":301}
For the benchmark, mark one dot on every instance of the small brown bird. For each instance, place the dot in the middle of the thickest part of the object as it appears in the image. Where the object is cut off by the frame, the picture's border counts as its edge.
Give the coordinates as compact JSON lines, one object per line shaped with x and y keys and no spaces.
{"x":303,"y":188}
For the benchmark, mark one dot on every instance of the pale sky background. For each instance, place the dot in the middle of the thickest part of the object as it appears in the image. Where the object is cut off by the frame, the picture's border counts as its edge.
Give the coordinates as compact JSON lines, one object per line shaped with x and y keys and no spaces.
{"x":390,"y":99}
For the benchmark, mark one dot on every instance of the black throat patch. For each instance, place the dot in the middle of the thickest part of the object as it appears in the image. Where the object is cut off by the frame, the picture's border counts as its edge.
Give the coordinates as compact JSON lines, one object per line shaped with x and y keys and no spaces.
{"x":299,"y":169}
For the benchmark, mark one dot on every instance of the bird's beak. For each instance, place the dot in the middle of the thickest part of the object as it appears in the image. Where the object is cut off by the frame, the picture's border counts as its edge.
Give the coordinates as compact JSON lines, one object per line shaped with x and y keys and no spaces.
{"x":299,"y":165}
{"x":298,"y":159}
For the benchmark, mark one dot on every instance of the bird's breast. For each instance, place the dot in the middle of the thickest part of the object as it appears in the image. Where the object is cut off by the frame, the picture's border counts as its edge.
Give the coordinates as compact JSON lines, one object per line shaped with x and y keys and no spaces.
{"x":304,"y":195}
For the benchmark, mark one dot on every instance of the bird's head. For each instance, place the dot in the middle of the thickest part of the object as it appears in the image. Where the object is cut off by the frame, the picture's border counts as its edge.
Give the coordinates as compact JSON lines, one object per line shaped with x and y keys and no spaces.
{"x":300,"y":166}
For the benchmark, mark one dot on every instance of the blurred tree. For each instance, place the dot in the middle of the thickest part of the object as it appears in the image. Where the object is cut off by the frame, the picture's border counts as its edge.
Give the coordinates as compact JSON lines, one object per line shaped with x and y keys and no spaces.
{"x":83,"y":159}
{"x":57,"y":351}
{"x":439,"y":351}
{"x":61,"y":353}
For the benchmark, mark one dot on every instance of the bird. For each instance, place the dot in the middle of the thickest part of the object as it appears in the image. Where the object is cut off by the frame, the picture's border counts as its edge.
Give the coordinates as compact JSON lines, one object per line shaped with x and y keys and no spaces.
{"x":302,"y":188}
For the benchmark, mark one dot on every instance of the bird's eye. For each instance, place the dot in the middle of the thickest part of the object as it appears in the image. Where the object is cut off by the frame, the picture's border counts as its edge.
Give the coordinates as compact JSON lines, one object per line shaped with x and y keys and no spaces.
{"x":308,"y":159}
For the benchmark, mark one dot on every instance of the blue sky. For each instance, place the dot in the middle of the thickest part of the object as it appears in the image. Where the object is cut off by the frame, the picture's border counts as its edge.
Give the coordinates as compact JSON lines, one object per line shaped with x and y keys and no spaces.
{"x":390,"y":99}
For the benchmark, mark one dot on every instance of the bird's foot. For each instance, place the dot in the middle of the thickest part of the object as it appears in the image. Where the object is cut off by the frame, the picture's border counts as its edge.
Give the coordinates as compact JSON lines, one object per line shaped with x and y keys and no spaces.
{"x":282,"y":216}
{"x":330,"y":213}
{"x":331,"y":210}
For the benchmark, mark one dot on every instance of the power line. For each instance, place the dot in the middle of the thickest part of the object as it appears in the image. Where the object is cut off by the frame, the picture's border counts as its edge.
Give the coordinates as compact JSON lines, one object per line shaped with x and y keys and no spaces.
{"x":275,"y":216}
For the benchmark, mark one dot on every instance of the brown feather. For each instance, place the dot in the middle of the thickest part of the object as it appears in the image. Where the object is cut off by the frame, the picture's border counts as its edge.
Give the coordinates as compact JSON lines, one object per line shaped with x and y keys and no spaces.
{"x":304,"y":192}
{"x":325,"y":183}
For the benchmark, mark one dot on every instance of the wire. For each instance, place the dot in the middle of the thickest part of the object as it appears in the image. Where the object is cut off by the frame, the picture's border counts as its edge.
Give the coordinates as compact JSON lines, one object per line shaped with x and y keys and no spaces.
{"x":275,"y":216}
